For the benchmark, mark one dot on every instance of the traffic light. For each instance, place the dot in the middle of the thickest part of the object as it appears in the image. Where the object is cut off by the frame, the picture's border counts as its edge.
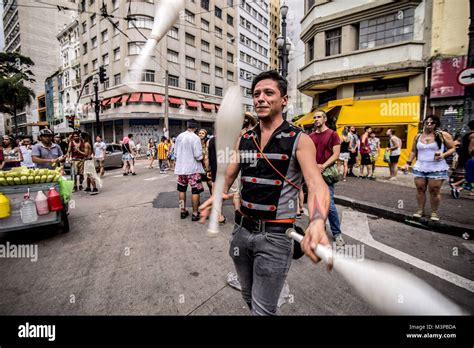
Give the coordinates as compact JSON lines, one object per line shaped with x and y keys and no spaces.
{"x":102,"y":74}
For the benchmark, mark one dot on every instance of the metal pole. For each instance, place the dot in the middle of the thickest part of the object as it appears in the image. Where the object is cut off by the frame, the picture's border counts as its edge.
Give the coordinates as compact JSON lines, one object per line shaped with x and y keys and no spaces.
{"x":97,"y":108}
{"x":469,"y":90}
{"x":14,"y":115}
{"x":167,"y":129}
{"x":283,"y":50}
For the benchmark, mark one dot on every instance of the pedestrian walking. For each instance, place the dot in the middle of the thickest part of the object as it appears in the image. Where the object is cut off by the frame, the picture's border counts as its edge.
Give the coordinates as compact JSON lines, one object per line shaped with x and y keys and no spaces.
{"x":171,"y":155}
{"x":259,"y":247}
{"x":90,"y":173}
{"x":328,"y":146}
{"x":365,"y":162}
{"x":465,"y":161}
{"x":430,"y":148}
{"x":345,"y":154}
{"x":99,"y":153}
{"x":151,"y":153}
{"x":205,"y":177}
{"x":395,"y":144}
{"x":12,"y":156}
{"x":162,"y":153}
{"x":188,"y":151}
{"x":353,"y":149}
{"x":374,"y":145}
{"x":62,"y":144}
{"x":76,"y":152}
{"x":127,"y":158}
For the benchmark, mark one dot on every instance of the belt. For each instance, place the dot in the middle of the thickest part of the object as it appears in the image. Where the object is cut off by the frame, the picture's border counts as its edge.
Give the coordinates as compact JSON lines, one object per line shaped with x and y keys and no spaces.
{"x":258,"y":226}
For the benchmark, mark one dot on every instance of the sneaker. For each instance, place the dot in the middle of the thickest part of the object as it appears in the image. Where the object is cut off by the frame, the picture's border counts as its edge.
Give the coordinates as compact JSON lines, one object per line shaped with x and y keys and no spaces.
{"x":162,"y":172}
{"x":134,"y":173}
{"x":455,"y":192}
{"x":339,"y":240}
{"x":434,"y":216}
{"x":125,"y":174}
{"x":87,"y":189}
{"x":195,"y":217}
{"x":94,"y":192}
{"x":344,"y":179}
{"x":184,"y":214}
{"x":80,"y":187}
{"x":419,"y":213}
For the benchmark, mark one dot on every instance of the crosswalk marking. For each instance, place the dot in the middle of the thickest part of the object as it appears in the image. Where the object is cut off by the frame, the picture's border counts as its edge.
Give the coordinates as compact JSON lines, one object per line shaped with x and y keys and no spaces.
{"x":356,"y":225}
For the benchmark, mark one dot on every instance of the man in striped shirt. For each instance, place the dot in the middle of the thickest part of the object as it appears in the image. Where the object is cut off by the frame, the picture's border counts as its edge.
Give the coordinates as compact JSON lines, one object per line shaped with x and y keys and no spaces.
{"x":162,"y":154}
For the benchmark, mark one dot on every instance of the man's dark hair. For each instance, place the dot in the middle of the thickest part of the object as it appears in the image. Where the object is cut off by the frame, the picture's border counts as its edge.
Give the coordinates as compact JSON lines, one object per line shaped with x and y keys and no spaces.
{"x":192,"y":124}
{"x":271,"y":75}
{"x":471,"y":124}
{"x":366,"y":127}
{"x":98,"y":135}
{"x":163,"y":138}
{"x":130,"y":135}
{"x":392,"y":131}
{"x":76,"y":131}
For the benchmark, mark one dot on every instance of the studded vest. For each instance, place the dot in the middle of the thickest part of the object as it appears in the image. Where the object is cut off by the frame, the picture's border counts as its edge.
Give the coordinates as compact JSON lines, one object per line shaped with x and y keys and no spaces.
{"x":264,"y":193}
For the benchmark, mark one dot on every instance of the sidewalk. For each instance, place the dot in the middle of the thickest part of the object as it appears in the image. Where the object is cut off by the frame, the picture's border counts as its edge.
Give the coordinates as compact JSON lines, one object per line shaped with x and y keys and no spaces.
{"x":396,"y":200}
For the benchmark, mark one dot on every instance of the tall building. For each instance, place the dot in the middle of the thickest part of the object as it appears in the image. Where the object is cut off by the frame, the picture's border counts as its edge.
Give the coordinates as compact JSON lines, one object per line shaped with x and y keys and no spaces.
{"x":298,"y":103}
{"x":198,"y":52}
{"x":274,"y":15}
{"x":253,"y":46}
{"x":31,"y":32}
{"x":365,"y":64}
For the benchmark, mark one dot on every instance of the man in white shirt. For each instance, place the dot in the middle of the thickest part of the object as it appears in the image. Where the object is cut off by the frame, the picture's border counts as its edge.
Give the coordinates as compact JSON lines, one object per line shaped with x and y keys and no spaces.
{"x":99,"y":153}
{"x":26,"y":149}
{"x":188,"y":152}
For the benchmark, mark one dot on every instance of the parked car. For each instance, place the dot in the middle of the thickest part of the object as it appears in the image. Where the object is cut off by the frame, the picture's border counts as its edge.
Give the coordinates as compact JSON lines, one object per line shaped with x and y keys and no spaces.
{"x":113,"y":156}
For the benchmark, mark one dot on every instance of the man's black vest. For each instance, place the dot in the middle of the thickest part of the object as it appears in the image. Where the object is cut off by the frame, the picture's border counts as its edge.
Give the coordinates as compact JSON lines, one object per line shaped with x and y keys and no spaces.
{"x":264,"y":193}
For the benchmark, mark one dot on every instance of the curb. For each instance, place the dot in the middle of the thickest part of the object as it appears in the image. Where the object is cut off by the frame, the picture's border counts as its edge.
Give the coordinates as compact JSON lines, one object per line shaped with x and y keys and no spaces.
{"x":446,"y":227}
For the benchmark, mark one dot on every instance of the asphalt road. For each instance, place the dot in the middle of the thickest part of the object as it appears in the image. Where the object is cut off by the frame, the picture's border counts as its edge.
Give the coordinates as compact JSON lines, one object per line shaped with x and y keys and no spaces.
{"x":129,"y":253}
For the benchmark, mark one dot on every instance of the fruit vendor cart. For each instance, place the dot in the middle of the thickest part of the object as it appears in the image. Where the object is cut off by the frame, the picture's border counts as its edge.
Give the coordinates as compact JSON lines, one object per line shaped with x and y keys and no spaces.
{"x":14,"y":193}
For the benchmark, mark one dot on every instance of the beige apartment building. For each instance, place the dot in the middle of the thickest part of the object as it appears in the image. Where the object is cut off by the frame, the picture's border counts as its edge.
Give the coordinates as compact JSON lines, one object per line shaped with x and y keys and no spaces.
{"x":275,"y":25}
{"x":365,"y":64}
{"x":199,"y":54}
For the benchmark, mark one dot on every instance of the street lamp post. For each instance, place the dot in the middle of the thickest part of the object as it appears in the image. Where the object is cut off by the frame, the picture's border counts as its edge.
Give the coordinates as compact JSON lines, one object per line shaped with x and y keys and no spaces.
{"x":283,"y":46}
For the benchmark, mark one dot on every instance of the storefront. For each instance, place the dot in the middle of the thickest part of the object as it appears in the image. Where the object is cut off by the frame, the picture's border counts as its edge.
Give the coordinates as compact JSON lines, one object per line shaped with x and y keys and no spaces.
{"x":401,"y":114}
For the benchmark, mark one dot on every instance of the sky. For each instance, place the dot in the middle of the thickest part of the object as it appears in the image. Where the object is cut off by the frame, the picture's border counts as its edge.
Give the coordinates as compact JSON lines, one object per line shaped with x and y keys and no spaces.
{"x":1,"y":28}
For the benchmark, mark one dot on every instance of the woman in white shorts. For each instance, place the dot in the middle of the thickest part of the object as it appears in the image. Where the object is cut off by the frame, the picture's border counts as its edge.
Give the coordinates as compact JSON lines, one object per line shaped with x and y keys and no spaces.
{"x":344,"y":155}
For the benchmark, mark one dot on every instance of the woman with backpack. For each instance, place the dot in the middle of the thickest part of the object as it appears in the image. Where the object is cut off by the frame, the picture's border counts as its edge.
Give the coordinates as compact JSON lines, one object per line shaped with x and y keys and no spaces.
{"x":127,"y":157}
{"x":430,"y":148}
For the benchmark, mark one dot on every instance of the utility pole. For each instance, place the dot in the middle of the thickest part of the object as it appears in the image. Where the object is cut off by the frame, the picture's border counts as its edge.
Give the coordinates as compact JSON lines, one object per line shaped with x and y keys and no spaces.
{"x":469,"y":90}
{"x":97,"y":106}
{"x":166,"y":131}
{"x":14,"y":115}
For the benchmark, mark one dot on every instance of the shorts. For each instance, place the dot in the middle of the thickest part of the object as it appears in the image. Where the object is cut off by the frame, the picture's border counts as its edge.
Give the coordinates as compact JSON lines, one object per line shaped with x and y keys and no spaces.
{"x":394,"y":159}
{"x":373,"y":157}
{"x":78,"y":167}
{"x":353,"y":158}
{"x":344,"y":156}
{"x":194,"y":180}
{"x":127,"y":157}
{"x":99,"y":163}
{"x":365,"y":159}
{"x":439,"y":175}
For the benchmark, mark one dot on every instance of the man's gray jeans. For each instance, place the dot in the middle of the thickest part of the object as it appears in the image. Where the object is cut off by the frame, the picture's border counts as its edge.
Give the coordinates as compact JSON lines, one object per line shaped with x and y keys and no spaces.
{"x":262,"y":261}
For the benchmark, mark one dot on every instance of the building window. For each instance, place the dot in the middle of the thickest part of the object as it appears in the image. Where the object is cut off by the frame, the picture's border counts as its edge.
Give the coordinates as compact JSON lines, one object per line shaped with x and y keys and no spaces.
{"x":135,"y":48}
{"x":327,"y":96}
{"x":218,"y":72}
{"x":173,"y":56}
{"x":117,"y":79}
{"x":105,"y":59}
{"x":84,"y":27}
{"x":230,"y":39}
{"x":93,"y":20}
{"x":230,"y":3}
{"x":204,"y":25}
{"x":218,"y":12}
{"x":95,"y":64}
{"x":141,"y":22}
{"x":190,"y":62}
{"x":115,"y":30}
{"x":86,"y":89}
{"x":117,"y":53}
{"x":86,"y":69}
{"x":205,"y":67}
{"x":115,"y":4}
{"x":230,"y":20}
{"x":219,"y":91}
{"x":148,"y":76}
{"x":388,"y":29}
{"x":390,"y":86}
{"x":230,"y":57}
{"x":105,"y":36}
{"x":205,"y":4}
{"x":84,"y":48}
{"x":205,"y":46}
{"x":94,"y":42}
{"x":311,"y":49}
{"x":218,"y":52}
{"x":333,"y":42}
{"x":230,"y":75}
{"x":173,"y":81}
{"x":190,"y":39}
{"x":173,"y":33}
{"x":189,"y":16}
{"x":106,"y":83}
{"x":191,"y":85}
{"x":218,"y":32}
{"x":205,"y":88}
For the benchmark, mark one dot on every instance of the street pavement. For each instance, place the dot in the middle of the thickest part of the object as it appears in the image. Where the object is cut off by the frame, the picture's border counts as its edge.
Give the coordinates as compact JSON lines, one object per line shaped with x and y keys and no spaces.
{"x":129,"y":253}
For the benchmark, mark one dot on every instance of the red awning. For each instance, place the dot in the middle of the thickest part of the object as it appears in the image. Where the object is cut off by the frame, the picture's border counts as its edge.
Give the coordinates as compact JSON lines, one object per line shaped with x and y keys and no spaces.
{"x":192,"y":103}
{"x":159,"y":98}
{"x":135,"y":97}
{"x":208,"y":106}
{"x":124,"y":98}
{"x":115,"y":99}
{"x":105,"y":101}
{"x":148,"y":98}
{"x":174,"y":100}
